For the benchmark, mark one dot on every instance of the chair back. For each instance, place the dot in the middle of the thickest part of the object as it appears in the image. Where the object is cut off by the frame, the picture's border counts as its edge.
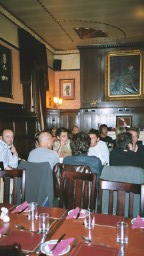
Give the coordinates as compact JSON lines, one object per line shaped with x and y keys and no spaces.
{"x":77,"y":190}
{"x":121,"y":188}
{"x":39,"y":182}
{"x":16,"y":179}
{"x":59,"y":168}
{"x":11,"y":250}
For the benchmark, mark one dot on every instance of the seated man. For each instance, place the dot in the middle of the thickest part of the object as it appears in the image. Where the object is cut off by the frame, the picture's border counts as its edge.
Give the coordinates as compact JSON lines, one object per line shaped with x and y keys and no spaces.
{"x":75,"y":129}
{"x":43,"y":152}
{"x":8,"y":153}
{"x":62,"y":143}
{"x":124,"y":153}
{"x":98,"y":148}
{"x":137,"y":146}
{"x":103,"y":135}
{"x":80,"y":144}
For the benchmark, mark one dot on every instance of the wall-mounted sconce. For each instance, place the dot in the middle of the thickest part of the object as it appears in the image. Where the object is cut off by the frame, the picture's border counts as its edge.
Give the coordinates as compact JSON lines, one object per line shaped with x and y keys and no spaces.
{"x":57,"y":101}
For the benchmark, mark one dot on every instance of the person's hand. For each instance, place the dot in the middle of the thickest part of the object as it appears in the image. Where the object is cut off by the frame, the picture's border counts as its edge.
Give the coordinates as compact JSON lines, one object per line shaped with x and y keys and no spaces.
{"x":13,"y":150}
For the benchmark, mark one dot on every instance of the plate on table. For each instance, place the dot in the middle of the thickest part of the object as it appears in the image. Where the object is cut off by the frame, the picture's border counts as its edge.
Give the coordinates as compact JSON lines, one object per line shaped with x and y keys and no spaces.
{"x":46,"y":250}
{"x":133,"y":221}
{"x":83,"y":213}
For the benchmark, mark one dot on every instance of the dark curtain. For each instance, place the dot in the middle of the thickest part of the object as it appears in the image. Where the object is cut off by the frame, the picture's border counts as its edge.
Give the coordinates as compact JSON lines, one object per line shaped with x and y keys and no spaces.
{"x":33,"y":74}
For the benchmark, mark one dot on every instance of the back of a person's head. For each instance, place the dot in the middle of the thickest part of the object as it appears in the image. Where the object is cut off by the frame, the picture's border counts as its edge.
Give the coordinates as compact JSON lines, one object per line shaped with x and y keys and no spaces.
{"x":94,"y":131}
{"x":43,"y":138}
{"x":123,"y":140}
{"x":80,"y":143}
{"x":120,"y":129}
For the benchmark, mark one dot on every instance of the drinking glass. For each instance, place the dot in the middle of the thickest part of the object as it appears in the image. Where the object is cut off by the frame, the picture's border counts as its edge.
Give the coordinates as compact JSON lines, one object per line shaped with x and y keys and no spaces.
{"x":89,"y":221}
{"x":44,"y":223}
{"x":122,"y":233}
{"x":32,"y":211}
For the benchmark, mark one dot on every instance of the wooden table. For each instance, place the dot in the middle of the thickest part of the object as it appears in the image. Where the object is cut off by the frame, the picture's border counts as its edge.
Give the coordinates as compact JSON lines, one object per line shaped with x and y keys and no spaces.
{"x":103,"y":234}
{"x":56,"y":217}
{"x":74,"y":228}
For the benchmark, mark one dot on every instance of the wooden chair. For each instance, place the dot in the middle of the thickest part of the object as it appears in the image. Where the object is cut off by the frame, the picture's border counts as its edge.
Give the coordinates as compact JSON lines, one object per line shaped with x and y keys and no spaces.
{"x":121,"y":188}
{"x":11,"y":250}
{"x":77,"y":190}
{"x":60,"y":167}
{"x":17,"y":184}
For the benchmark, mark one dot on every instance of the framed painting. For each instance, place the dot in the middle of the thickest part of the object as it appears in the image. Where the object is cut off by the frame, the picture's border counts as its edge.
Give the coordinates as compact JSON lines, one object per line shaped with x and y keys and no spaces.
{"x":125,"y":121}
{"x":5,"y":72}
{"x":67,"y":89}
{"x":123,"y":75}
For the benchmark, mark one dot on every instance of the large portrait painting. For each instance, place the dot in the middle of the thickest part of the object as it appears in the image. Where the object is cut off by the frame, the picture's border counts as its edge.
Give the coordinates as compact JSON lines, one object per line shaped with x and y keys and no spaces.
{"x":123,"y":75}
{"x":5,"y":72}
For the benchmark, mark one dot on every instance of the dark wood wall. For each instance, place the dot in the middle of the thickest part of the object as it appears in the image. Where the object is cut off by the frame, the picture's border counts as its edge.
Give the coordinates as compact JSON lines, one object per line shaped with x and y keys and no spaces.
{"x":92,"y":75}
{"x":92,"y":117}
{"x":23,"y":123}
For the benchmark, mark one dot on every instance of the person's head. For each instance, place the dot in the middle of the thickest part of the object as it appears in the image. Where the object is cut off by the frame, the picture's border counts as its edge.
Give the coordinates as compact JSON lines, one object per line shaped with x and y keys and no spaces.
{"x":124,"y":141}
{"x":45,"y":140}
{"x":120,"y":129}
{"x":135,"y":134}
{"x":80,"y":143}
{"x":62,"y":134}
{"x":103,"y":130}
{"x":75,"y":129}
{"x":94,"y":136}
{"x":7,"y":135}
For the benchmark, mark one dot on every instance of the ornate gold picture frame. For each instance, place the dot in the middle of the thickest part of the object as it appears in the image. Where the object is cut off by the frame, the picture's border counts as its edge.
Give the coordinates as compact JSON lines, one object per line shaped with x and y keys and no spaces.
{"x":123,"y":75}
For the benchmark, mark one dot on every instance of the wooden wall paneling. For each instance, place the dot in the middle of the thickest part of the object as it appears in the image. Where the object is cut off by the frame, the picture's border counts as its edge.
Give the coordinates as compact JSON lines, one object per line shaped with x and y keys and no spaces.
{"x":23,"y":123}
{"x":53,"y":118}
{"x":92,"y":75}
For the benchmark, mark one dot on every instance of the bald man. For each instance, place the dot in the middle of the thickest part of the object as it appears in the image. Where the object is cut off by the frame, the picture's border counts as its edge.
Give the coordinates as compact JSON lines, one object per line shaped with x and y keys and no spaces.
{"x":43,"y":152}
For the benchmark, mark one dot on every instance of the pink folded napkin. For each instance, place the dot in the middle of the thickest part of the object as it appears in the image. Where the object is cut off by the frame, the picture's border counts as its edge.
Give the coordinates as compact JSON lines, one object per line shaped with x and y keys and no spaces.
{"x":2,"y":231}
{"x":73,"y":213}
{"x":138,"y":223}
{"x":20,"y":207}
{"x":61,"y":246}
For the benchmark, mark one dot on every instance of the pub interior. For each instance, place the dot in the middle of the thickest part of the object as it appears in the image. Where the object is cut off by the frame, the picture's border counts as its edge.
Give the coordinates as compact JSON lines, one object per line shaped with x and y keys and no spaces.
{"x":65,"y":65}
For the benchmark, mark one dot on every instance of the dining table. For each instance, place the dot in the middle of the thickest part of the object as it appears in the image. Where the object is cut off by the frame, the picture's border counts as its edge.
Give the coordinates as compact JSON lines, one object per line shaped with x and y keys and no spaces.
{"x":102,"y":235}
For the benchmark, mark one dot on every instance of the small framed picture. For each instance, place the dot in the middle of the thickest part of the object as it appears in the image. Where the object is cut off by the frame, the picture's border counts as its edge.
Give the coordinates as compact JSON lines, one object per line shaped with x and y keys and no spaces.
{"x":67,"y":89}
{"x":125,"y":121}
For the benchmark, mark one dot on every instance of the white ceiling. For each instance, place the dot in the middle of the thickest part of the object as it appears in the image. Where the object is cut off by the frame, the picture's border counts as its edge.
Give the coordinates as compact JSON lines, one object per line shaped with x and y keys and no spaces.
{"x":54,"y":20}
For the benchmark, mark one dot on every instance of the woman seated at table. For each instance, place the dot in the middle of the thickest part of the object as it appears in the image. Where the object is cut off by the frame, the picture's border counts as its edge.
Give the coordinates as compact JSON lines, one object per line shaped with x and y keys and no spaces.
{"x":124,"y":153}
{"x":80,"y":144}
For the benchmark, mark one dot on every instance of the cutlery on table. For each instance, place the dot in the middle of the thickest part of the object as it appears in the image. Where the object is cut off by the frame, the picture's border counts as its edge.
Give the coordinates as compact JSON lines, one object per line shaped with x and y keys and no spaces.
{"x":78,"y":214}
{"x":38,"y":250}
{"x":87,"y":239}
{"x":22,"y":210}
{"x":58,"y":241}
{"x":20,"y":227}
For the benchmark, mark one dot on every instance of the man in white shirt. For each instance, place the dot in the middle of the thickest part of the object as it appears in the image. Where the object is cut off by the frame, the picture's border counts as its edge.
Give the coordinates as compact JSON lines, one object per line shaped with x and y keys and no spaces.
{"x":98,"y":148}
{"x":8,"y":153}
{"x":43,"y":152}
